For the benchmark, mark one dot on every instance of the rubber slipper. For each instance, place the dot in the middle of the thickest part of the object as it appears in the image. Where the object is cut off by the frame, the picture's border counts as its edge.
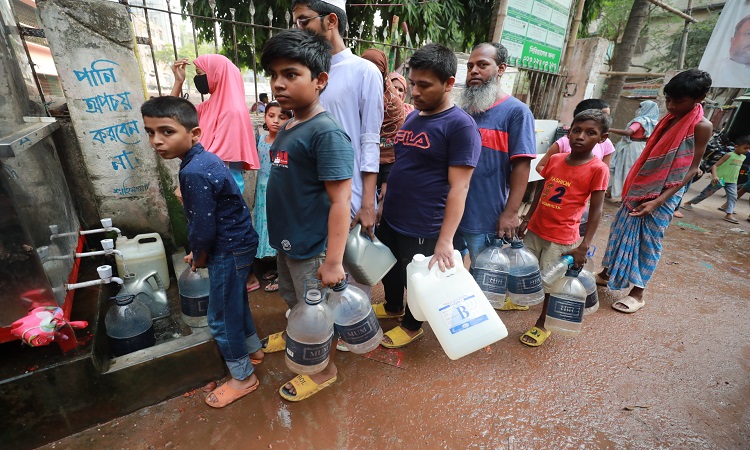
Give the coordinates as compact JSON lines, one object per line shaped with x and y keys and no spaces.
{"x":687,"y":207}
{"x":341,"y":347}
{"x":253,"y":287}
{"x":255,"y":362}
{"x":722,"y":208}
{"x":381,"y":313}
{"x":273,"y":343}
{"x":304,"y":387}
{"x":510,"y":306}
{"x":600,"y":281}
{"x":270,"y":275}
{"x":226,"y":394}
{"x":273,"y":286}
{"x":629,"y":305}
{"x":400,"y":338}
{"x":537,"y":335}
{"x":731,"y":220}
{"x":678,"y":214}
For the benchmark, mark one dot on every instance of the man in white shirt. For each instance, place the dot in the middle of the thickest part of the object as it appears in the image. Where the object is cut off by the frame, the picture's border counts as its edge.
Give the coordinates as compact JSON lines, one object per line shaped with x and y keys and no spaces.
{"x":354,"y":96}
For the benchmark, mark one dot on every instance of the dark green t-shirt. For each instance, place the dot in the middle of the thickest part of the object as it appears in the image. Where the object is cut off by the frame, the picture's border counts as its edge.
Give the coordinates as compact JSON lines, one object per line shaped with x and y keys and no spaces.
{"x":297,"y":204}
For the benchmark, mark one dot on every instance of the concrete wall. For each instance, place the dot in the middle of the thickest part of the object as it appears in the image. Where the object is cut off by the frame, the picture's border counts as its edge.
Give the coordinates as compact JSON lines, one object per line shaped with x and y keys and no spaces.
{"x":585,"y":64}
{"x":92,"y":44}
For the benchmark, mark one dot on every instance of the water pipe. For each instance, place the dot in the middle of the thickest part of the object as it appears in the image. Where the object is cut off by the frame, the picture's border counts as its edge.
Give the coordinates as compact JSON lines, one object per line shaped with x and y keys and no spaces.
{"x":105,"y":275}
{"x":44,"y":256}
{"x":108,"y":245}
{"x":55,"y":235}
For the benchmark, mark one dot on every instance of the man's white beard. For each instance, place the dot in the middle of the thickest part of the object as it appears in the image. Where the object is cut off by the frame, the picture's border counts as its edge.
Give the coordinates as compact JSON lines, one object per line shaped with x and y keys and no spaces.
{"x":478,"y":99}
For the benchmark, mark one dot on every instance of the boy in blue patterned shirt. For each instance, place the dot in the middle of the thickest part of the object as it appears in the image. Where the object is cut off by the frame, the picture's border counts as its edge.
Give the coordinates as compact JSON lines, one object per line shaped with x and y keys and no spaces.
{"x":221,"y":237}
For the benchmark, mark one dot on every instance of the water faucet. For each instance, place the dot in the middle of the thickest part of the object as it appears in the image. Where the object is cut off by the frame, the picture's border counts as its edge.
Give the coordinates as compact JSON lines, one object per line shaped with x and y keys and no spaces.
{"x":106,"y":226}
{"x":105,"y":275}
{"x":108,"y":245}
{"x":55,"y":235}
{"x":44,"y":255}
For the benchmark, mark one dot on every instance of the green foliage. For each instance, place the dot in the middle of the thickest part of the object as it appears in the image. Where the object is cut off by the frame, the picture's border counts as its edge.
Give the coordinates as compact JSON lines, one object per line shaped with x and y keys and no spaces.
{"x":456,"y":23}
{"x":610,"y":17}
{"x":698,"y":36}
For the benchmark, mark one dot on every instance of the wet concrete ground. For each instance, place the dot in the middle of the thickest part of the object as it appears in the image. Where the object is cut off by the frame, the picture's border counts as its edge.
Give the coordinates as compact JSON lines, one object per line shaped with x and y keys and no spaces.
{"x":674,"y":375}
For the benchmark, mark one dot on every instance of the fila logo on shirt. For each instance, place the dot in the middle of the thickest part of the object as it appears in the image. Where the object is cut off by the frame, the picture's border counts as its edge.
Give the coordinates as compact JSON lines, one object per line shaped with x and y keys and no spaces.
{"x":409,"y":139}
{"x":280,"y":158}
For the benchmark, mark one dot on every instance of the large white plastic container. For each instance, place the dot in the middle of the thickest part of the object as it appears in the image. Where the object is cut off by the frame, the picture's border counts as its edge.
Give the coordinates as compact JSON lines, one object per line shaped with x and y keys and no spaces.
{"x":458,"y":311}
{"x":419,"y":264}
{"x":143,"y":254}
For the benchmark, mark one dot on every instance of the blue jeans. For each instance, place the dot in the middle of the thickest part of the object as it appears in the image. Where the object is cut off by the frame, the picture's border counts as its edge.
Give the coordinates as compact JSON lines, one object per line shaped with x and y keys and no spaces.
{"x":476,"y":243}
{"x":712,"y":188}
{"x":229,"y":316}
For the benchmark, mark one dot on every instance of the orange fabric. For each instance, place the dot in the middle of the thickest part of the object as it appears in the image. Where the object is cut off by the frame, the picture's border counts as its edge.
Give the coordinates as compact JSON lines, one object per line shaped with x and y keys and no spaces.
{"x":566,"y":191}
{"x":638,"y":131}
{"x":224,"y":118}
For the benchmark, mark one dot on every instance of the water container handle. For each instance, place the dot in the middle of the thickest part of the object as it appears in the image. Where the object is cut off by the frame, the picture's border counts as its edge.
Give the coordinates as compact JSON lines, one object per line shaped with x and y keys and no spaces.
{"x":155,"y":275}
{"x":449,"y":271}
{"x":358,"y":230}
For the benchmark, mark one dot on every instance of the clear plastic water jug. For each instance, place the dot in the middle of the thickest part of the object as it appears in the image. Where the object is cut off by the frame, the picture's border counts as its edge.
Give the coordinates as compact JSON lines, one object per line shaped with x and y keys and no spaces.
{"x":142,"y":254}
{"x":524,"y":280}
{"x":491,"y":273}
{"x":354,"y":319}
{"x":129,"y":326}
{"x":557,"y":270}
{"x":194,"y":288}
{"x":592,"y":294}
{"x":154,"y":299}
{"x":309,"y":333}
{"x":567,"y":300}
{"x":366,"y":260}
{"x":458,"y":311}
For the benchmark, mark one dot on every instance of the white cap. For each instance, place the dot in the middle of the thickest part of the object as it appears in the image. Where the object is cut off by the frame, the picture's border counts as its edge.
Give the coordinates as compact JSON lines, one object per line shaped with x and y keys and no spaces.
{"x":341,"y":4}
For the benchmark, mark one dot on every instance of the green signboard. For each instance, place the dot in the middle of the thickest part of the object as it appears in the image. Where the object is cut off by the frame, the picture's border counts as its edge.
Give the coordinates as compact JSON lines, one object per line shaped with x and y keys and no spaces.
{"x":534,"y":32}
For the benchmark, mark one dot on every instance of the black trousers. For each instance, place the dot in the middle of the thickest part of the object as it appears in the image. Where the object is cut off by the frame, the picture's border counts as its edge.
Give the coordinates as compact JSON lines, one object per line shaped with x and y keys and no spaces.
{"x":403,"y":248}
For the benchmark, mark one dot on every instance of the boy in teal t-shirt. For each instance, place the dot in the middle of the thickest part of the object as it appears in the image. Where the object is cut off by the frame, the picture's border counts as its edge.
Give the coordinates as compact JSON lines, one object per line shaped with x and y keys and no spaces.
{"x":725,"y":174}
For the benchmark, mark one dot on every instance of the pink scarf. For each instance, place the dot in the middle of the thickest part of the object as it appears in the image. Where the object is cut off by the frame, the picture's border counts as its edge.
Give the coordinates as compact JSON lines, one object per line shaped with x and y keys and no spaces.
{"x":224,"y":117}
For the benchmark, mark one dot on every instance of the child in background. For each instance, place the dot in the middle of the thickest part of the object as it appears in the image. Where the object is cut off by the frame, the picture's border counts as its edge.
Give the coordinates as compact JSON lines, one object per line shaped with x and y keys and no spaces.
{"x":603,"y":151}
{"x":551,"y":225}
{"x":221,"y":237}
{"x":654,"y":187}
{"x":310,"y":187}
{"x":724,"y":174}
{"x":275,"y":116}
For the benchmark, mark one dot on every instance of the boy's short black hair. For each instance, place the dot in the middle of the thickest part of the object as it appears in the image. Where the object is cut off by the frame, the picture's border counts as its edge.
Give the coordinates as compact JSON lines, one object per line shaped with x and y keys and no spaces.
{"x":176,"y":108}
{"x":693,"y":83}
{"x":590,"y":103}
{"x":309,"y":49}
{"x":263,"y":97}
{"x":597,"y":116}
{"x":743,"y":140}
{"x":321,"y":7}
{"x":501,"y":53}
{"x":436,"y":58}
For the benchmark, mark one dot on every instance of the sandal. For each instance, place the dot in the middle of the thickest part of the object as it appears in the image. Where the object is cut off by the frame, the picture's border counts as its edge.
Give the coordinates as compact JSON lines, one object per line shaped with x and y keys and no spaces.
{"x":400,"y":338}
{"x":273,"y":286}
{"x":731,"y":220}
{"x":537,"y":335}
{"x":226,"y":394}
{"x":304,"y":387}
{"x":600,"y":281}
{"x":270,"y":275}
{"x":510,"y":306}
{"x":381,"y":313}
{"x":629,"y":305}
{"x":253,"y":287}
{"x":687,"y":207}
{"x":273,"y":343}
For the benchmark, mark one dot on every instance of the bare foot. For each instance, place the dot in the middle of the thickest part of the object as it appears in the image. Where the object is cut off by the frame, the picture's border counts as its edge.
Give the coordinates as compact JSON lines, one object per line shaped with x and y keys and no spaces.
{"x":238,"y":385}
{"x":258,"y":356}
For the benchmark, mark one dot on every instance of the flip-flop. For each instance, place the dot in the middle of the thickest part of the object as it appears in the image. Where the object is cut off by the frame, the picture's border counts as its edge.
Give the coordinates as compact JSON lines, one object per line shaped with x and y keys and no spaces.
{"x":600,"y":281}
{"x":304,"y":387}
{"x":253,"y":287}
{"x":510,"y":306}
{"x":273,"y":343}
{"x":399,"y":338}
{"x":731,"y":220}
{"x":687,"y":207}
{"x":226,"y":394}
{"x":255,"y":362}
{"x":273,"y":286}
{"x":381,"y":313}
{"x":678,"y":214}
{"x":270,"y":275}
{"x":629,"y":305}
{"x":722,"y":208}
{"x":537,"y":334}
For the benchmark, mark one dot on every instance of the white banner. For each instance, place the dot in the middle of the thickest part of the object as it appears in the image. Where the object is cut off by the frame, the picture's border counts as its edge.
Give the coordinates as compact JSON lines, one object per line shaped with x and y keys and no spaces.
{"x":727,"y":55}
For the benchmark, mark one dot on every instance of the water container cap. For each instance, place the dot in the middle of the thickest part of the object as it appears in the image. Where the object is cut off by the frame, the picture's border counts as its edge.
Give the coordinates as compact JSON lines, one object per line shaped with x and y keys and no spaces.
{"x":123,"y":299}
{"x":313,"y":297}
{"x":340,"y":286}
{"x":516,"y":243}
{"x":573,"y":272}
{"x":418,"y":257}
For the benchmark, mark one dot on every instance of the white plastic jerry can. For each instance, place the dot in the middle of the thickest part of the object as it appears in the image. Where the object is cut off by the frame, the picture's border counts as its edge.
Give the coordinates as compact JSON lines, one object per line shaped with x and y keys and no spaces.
{"x":419,"y":264}
{"x":458,"y":311}
{"x":143,"y":254}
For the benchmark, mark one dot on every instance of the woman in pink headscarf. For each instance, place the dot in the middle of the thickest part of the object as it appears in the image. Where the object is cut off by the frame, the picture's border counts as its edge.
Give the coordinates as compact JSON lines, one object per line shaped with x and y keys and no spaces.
{"x":227,"y":130}
{"x":399,"y":82}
